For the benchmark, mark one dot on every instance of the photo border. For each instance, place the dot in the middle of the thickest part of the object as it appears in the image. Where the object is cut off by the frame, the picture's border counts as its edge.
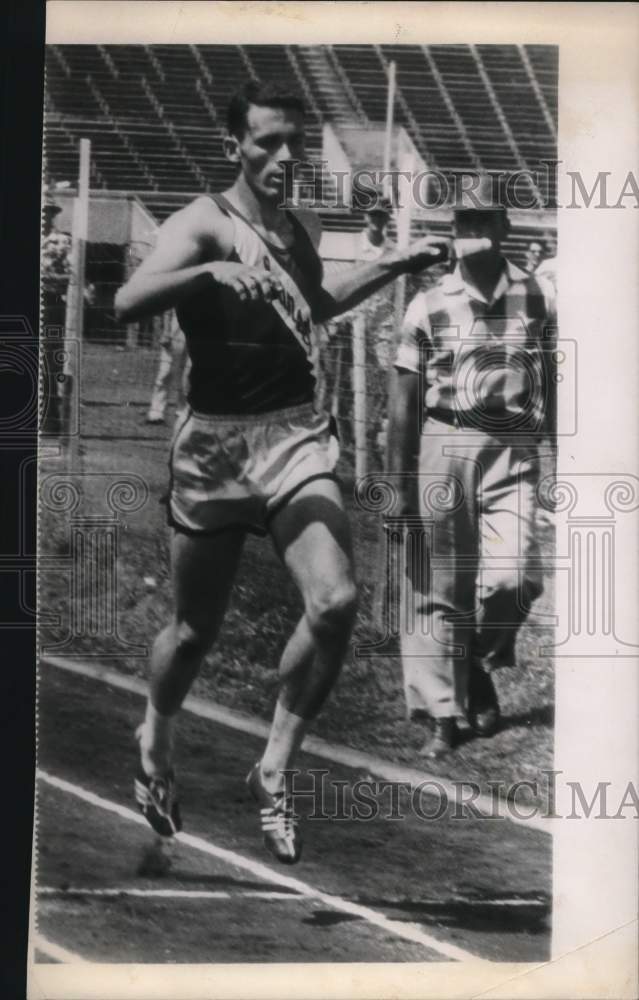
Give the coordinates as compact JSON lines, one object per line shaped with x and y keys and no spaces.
{"x":594,"y":932}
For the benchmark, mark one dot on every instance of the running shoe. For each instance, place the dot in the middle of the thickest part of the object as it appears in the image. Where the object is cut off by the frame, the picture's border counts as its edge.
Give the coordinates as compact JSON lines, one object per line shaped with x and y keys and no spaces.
{"x":483,"y":704}
{"x":157,"y":802}
{"x":278,"y":821}
{"x":443,"y":739}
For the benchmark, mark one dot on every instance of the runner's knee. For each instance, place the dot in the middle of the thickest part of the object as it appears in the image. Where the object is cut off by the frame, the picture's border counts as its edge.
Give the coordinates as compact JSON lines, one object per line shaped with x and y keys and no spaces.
{"x":332,"y":609}
{"x":191,"y":639}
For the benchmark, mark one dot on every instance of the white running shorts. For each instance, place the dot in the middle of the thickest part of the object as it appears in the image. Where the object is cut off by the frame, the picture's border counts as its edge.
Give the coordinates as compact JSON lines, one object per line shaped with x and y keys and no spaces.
{"x":238,"y":471}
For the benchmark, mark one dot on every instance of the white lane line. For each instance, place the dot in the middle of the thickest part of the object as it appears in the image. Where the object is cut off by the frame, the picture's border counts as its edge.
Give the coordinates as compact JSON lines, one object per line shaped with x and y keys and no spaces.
{"x":50,"y":891}
{"x":56,"y":951}
{"x":334,"y":752}
{"x":406,"y":931}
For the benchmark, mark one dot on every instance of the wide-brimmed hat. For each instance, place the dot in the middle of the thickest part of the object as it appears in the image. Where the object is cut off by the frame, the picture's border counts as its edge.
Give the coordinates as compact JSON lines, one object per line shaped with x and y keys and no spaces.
{"x":476,"y":191}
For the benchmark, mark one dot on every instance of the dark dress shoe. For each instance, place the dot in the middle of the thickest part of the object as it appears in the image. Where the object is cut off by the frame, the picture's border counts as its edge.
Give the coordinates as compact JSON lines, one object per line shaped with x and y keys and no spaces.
{"x":443,"y":739}
{"x":483,"y":705}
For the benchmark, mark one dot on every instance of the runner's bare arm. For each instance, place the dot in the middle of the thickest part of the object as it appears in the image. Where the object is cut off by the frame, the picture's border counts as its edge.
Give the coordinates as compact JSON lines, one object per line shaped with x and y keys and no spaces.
{"x":346,"y":289}
{"x":189,"y":256}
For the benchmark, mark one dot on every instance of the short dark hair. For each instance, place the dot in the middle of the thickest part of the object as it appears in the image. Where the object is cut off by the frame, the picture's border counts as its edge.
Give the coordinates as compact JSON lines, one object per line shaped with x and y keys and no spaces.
{"x":263,"y":95}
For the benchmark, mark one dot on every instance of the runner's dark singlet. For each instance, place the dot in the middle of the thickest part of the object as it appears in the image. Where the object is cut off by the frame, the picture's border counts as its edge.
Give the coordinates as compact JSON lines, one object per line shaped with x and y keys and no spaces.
{"x":256,"y":357}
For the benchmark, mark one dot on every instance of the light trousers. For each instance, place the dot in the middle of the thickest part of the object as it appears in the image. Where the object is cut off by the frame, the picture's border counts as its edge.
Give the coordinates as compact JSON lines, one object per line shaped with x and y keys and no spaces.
{"x":171,"y":373}
{"x":475,"y":570}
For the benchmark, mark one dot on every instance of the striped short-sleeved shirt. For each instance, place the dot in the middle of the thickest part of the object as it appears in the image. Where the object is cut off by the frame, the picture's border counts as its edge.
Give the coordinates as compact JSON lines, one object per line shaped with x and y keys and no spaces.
{"x":483,"y":362}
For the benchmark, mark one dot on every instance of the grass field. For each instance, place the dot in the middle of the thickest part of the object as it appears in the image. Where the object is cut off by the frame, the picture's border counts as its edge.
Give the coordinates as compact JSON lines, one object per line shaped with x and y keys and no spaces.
{"x":366,"y":710}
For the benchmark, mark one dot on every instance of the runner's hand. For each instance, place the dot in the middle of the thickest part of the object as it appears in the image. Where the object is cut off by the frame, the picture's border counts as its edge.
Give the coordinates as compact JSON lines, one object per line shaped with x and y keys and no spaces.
{"x":423,"y":253}
{"x":249,"y":284}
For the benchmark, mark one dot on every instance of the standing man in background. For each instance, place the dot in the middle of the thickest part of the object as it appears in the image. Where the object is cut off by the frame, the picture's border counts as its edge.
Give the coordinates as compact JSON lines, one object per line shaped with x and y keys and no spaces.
{"x":547,"y":270}
{"x":534,"y":254}
{"x":56,"y":274}
{"x":469,"y":405}
{"x":172,"y":370}
{"x":373,"y":241}
{"x":376,"y":313}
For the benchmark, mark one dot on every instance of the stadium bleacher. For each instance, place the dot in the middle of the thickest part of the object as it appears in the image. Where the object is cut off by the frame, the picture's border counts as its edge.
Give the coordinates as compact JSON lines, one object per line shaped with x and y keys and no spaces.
{"x":520,"y":105}
{"x":155,"y":116}
{"x":155,"y":113}
{"x":422,"y":88}
{"x":544,"y":60}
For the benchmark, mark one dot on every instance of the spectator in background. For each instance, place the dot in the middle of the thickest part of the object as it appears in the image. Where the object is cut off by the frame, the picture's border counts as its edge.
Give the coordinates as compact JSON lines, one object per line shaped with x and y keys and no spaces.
{"x":55,"y":274}
{"x":547,"y":270}
{"x":172,"y":370}
{"x":49,"y":212}
{"x":56,"y":269}
{"x":371,"y":244}
{"x":468,"y":408}
{"x":534,"y":254}
{"x":90,"y":305}
{"x":373,"y":240}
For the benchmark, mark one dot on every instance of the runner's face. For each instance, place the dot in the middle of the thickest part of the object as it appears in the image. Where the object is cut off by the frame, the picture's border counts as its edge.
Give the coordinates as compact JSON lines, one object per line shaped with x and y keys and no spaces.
{"x":273,"y":138}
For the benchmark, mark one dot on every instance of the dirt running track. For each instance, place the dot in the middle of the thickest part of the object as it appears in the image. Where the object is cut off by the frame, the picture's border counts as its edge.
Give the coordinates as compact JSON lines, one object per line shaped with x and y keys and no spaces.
{"x":384,"y":890}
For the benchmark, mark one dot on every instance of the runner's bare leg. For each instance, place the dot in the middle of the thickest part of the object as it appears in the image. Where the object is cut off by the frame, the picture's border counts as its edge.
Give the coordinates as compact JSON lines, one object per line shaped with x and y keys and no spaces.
{"x":312,"y":535}
{"x":203,"y":569}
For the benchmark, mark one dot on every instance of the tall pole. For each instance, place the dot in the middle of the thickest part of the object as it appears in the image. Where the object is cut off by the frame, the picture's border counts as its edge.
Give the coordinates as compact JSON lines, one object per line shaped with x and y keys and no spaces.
{"x":74,"y":325}
{"x":402,"y":212}
{"x":390,"y":112}
{"x":359,"y":392}
{"x":403,"y":217}
{"x":359,"y":319}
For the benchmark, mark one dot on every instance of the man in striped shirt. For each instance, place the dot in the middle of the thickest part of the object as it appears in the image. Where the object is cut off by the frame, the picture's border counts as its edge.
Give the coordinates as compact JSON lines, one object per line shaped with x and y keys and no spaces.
{"x":470,"y":402}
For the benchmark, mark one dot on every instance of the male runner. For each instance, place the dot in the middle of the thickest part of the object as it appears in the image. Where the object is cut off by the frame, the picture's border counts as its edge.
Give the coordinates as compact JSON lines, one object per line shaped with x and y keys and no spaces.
{"x":253,"y":451}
